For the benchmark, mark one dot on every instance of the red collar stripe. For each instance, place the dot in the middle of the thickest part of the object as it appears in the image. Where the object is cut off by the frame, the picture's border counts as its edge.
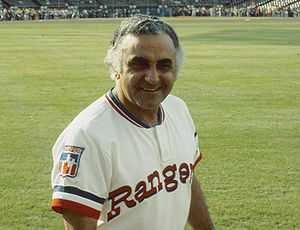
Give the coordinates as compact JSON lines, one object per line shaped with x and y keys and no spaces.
{"x":115,"y":106}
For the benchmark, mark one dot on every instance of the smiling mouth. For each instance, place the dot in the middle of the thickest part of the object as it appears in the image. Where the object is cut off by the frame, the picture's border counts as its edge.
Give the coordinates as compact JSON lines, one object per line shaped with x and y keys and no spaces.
{"x":151,"y":90}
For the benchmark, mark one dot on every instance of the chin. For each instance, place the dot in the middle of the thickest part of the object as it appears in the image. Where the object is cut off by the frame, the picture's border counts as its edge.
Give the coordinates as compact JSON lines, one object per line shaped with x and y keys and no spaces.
{"x":148,"y":103}
{"x":149,"y":106}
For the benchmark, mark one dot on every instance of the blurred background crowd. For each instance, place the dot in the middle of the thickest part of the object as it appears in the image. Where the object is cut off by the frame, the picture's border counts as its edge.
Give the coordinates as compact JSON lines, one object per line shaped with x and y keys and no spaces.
{"x":64,"y":9}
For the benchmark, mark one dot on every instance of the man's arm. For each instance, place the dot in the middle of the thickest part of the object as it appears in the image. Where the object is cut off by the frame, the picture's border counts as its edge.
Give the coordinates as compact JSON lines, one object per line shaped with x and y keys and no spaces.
{"x":199,"y":217}
{"x":74,"y":221}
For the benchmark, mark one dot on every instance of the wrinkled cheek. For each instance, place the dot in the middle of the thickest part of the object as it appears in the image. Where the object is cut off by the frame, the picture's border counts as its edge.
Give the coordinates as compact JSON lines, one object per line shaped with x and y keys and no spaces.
{"x":140,"y":98}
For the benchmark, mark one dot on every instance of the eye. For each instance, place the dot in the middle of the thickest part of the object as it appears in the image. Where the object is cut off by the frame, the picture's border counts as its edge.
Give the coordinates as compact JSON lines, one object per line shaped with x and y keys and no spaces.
{"x":164,"y":65}
{"x":138,"y":63}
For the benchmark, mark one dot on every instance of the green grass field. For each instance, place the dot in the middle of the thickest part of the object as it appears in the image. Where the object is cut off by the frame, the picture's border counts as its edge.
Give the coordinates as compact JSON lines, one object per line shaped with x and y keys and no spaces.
{"x":241,"y":80}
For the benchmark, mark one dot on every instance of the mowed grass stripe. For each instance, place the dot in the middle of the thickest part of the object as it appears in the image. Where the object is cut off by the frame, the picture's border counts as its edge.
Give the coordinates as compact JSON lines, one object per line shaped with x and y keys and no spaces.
{"x":240,"y":80}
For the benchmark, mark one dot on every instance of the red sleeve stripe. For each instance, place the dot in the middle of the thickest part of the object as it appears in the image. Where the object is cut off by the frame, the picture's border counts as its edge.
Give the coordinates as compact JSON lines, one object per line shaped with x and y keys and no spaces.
{"x":198,"y":160}
{"x":59,"y":205}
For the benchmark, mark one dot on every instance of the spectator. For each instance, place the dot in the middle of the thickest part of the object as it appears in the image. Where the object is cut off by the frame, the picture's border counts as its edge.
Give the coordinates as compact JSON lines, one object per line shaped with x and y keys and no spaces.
{"x":164,"y":9}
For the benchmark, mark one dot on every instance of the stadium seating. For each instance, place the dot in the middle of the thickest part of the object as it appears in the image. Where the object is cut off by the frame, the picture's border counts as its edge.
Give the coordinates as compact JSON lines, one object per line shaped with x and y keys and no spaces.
{"x":20,"y":3}
{"x":83,"y":3}
{"x":279,"y":3}
{"x":114,"y":3}
{"x":150,"y":5}
{"x":52,"y":3}
{"x":295,"y":5}
{"x":264,"y":3}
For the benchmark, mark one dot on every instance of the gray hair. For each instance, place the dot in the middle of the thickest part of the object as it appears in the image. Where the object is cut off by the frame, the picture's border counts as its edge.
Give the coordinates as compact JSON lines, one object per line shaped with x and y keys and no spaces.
{"x":139,"y":25}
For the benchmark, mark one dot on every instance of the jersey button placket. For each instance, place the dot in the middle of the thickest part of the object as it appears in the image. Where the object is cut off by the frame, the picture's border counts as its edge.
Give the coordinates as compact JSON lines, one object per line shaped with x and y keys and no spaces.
{"x":161,"y":137}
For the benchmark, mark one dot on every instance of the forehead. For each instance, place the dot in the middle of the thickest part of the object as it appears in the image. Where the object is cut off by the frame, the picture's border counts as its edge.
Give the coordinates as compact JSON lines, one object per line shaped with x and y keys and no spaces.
{"x":152,"y":47}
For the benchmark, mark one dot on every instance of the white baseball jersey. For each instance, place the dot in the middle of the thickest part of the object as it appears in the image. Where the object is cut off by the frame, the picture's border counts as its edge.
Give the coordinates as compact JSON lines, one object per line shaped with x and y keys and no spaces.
{"x":111,"y":166}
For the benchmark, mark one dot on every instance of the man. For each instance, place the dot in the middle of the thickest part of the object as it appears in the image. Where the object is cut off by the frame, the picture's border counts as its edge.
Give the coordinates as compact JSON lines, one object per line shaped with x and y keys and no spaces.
{"x":127,"y":161}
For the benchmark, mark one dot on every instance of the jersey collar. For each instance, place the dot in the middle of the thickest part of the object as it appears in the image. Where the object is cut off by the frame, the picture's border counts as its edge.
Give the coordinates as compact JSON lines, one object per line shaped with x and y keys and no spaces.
{"x":118,"y":106}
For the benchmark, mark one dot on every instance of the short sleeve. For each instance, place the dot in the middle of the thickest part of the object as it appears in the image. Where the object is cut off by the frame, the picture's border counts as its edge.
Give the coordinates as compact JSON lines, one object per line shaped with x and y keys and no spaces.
{"x":81,"y":174}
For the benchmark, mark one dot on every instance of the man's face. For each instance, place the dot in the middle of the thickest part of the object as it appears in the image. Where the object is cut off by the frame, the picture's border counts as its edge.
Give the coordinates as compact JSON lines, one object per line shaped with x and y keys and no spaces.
{"x":148,"y":71}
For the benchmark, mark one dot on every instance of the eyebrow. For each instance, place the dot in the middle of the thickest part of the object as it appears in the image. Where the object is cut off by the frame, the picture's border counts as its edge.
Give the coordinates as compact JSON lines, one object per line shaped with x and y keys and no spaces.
{"x":138,"y":60}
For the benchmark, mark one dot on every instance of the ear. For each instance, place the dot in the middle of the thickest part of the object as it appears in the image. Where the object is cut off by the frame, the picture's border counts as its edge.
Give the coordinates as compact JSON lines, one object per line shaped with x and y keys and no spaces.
{"x":117,"y":76}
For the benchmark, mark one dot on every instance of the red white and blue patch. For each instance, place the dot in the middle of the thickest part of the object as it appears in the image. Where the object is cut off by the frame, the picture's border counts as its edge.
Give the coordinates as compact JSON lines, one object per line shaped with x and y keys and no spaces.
{"x":69,"y":161}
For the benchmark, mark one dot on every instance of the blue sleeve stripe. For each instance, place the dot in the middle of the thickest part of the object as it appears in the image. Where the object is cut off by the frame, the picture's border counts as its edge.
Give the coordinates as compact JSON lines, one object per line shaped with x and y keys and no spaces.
{"x":78,"y":192}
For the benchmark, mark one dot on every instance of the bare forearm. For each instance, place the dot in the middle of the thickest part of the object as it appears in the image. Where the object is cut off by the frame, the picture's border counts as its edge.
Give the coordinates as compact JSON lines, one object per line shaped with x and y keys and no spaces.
{"x":73,"y":221}
{"x":199,"y":217}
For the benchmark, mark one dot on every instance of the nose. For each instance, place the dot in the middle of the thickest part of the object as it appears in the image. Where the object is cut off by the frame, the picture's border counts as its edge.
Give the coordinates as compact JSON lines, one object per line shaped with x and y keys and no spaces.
{"x":152,"y":75}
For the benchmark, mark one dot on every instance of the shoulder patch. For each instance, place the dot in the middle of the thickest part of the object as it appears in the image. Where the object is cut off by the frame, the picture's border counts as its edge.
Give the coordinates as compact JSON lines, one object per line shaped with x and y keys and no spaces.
{"x":69,"y":160}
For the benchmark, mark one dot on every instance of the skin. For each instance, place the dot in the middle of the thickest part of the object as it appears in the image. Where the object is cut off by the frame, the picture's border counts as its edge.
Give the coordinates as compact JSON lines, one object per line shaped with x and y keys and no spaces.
{"x":199,"y":217}
{"x":147,"y":77}
{"x":148,"y":74}
{"x":74,"y":221}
